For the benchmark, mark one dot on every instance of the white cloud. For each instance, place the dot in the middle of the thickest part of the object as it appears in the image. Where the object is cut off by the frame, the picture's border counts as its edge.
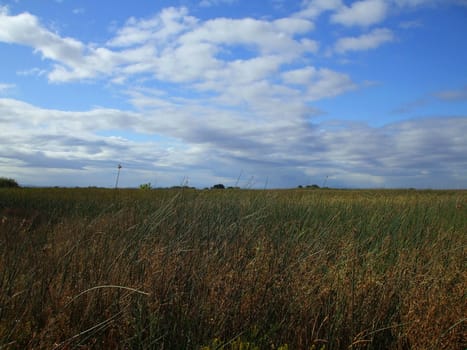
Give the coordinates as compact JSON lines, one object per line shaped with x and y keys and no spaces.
{"x":293,"y":26}
{"x":361,"y":13}
{"x":365,"y":13}
{"x":6,"y":87}
{"x":74,"y":59}
{"x":242,"y":72}
{"x":300,"y":76}
{"x":209,"y":3}
{"x":159,"y":29}
{"x":171,"y":45}
{"x":263,"y":36}
{"x":319,"y":83}
{"x":313,"y":8}
{"x":371,"y":40}
{"x":202,"y":51}
{"x":25,"y":29}
{"x":187,"y":63}
{"x":329,"y":84}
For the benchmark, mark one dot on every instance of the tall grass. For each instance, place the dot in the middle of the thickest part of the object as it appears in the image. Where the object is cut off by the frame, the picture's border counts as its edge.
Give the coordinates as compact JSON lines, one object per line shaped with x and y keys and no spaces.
{"x":297,"y":269}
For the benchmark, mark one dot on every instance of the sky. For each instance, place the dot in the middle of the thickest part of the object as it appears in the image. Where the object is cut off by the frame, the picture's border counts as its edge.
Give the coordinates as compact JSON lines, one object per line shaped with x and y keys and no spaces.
{"x":255,"y":94}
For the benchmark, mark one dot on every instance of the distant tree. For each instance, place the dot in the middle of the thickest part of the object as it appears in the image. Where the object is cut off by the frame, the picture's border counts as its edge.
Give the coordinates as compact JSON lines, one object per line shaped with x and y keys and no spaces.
{"x":313,"y":186}
{"x":218,"y":187}
{"x":5,"y":182}
{"x":145,"y":186}
{"x":299,"y":186}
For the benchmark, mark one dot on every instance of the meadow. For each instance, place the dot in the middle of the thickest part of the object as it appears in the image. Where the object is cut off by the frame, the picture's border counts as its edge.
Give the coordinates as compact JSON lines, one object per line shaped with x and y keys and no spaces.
{"x":232,"y":269}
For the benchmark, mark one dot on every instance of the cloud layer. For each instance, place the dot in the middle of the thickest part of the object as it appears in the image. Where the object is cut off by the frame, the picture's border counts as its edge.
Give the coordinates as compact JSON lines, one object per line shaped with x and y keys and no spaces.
{"x":213,"y":98}
{"x":217,"y":147}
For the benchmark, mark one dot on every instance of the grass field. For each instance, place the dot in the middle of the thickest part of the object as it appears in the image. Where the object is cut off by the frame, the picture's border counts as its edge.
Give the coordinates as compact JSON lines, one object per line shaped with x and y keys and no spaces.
{"x":232,"y":269}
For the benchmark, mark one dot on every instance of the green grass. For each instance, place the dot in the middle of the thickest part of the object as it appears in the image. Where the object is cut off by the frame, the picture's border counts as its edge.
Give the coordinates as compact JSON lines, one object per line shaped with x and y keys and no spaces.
{"x":232,"y":269}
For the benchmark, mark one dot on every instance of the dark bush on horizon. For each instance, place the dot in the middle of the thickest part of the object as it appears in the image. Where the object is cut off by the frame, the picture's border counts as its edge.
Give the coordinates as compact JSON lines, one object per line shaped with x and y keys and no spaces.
{"x":313,"y":186}
{"x":218,"y":187}
{"x":10,"y":183}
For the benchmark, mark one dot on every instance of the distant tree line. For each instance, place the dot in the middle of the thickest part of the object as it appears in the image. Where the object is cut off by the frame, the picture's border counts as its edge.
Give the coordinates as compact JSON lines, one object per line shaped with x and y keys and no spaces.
{"x":311,"y":186}
{"x":222,"y":187}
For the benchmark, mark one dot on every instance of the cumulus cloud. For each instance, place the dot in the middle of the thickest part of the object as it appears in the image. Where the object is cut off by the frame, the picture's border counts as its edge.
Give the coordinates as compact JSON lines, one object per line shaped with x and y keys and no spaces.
{"x":265,"y":36}
{"x":300,"y":76}
{"x":74,"y":60}
{"x":320,"y":83}
{"x":171,"y":45}
{"x":313,"y":8}
{"x":371,"y":40}
{"x":361,"y":13}
{"x":158,"y":29}
{"x":25,"y":29}
{"x":365,"y":13}
{"x":330,"y":84}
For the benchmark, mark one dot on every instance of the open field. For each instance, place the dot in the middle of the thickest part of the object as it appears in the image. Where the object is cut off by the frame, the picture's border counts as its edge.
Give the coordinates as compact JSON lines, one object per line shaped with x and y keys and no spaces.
{"x":232,"y":269}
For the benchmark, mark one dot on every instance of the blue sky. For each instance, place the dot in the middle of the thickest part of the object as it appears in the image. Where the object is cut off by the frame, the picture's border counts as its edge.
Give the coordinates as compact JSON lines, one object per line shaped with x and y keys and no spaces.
{"x":367,"y":94}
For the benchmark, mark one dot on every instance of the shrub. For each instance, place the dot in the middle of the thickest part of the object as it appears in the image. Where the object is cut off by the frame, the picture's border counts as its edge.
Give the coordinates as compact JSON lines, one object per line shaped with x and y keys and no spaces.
{"x":145,"y":186}
{"x":5,"y":182}
{"x":312,"y":186}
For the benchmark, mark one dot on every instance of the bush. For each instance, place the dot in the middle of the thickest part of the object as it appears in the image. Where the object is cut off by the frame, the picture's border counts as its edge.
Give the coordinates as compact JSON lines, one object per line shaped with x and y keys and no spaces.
{"x":147,"y":186}
{"x":312,"y":186}
{"x":4,"y":182}
{"x":218,"y":187}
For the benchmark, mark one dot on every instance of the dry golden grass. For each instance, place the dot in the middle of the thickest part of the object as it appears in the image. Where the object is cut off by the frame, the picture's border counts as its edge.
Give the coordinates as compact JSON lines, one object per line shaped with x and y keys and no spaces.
{"x":232,"y":269}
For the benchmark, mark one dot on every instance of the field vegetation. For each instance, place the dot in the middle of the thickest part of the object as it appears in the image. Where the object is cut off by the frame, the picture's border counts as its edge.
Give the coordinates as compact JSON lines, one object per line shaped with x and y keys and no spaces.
{"x":232,"y":269}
